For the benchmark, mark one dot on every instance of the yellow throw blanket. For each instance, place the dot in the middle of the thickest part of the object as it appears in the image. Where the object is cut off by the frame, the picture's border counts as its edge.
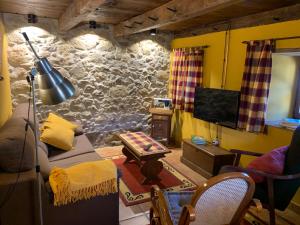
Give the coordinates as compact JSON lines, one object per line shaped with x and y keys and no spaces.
{"x":83,"y":181}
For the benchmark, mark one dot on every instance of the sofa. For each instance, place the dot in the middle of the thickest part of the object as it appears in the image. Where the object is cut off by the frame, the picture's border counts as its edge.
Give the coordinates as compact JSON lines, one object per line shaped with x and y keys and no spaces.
{"x":19,"y":202}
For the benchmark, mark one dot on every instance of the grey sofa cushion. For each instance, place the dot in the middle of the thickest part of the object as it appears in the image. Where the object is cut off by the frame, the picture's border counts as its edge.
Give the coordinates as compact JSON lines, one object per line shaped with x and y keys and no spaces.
{"x":81,"y":145}
{"x":44,"y":164}
{"x":44,"y":147}
{"x":12,"y":136}
{"x":67,"y":162}
{"x":21,"y":111}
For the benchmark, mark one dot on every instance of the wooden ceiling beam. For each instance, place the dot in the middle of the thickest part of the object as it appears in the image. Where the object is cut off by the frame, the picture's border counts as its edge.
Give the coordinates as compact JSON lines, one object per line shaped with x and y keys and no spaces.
{"x":78,"y":11}
{"x":263,"y":18}
{"x":172,"y":12}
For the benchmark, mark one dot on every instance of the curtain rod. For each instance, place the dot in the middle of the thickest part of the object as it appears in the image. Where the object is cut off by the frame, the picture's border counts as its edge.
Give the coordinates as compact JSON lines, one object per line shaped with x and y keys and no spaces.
{"x":276,"y":39}
{"x":203,"y":46}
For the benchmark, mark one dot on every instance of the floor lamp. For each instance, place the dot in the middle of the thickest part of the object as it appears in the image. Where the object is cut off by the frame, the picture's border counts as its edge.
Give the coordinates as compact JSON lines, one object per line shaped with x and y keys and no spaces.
{"x":53,"y":89}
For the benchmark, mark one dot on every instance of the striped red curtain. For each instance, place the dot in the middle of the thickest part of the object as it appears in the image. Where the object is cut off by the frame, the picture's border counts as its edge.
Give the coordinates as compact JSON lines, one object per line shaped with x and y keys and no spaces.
{"x":186,"y":74}
{"x":255,"y":86}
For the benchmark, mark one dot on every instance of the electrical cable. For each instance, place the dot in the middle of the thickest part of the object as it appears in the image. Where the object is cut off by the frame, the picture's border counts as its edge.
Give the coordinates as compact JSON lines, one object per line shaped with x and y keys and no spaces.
{"x":225,"y":57}
{"x":209,"y":131}
{"x":12,"y":187}
{"x":225,"y":67}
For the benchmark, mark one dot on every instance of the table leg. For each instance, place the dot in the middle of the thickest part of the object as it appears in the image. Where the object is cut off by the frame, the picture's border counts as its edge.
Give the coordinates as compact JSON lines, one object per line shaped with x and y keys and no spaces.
{"x":128,"y":155}
{"x":150,"y":169}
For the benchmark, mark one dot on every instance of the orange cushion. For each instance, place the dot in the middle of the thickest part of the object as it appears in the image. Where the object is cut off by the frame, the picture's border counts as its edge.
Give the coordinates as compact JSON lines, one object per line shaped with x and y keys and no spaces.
{"x":53,"y":118}
{"x":58,"y":136}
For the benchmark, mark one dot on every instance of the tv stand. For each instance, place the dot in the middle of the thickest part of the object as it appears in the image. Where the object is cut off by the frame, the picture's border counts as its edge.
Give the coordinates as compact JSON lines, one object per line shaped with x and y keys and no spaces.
{"x":205,"y":159}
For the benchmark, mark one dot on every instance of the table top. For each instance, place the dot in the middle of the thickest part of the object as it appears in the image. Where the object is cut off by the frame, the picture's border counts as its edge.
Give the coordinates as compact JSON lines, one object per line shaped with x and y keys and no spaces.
{"x":159,"y":111}
{"x":138,"y":142}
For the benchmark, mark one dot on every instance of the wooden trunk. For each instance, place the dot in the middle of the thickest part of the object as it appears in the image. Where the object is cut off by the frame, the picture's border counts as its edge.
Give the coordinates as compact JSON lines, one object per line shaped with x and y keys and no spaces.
{"x":205,"y":159}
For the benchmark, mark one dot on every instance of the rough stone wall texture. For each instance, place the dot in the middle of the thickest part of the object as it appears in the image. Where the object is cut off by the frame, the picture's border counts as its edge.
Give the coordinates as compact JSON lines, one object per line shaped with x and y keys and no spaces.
{"x":115,"y":79}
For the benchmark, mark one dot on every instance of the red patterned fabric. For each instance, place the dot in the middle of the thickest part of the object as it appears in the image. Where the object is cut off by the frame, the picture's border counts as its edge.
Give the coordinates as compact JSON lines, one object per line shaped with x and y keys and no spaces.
{"x":186,"y":74}
{"x":272,"y":162}
{"x":255,"y":86}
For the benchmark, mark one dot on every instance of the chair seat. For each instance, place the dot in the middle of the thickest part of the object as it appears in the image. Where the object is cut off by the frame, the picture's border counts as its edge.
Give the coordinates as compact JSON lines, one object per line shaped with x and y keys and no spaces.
{"x":176,"y":201}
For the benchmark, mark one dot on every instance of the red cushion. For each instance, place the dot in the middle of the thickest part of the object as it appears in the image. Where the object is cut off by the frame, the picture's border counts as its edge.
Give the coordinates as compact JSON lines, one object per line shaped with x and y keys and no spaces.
{"x":271,"y":162}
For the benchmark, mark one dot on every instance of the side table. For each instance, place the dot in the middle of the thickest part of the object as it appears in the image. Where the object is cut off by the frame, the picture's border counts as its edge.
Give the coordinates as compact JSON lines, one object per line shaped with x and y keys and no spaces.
{"x":161,"y":124}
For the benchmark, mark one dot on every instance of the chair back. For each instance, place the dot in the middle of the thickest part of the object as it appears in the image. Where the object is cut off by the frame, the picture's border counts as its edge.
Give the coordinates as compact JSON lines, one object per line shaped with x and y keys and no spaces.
{"x":285,"y":189}
{"x":292,"y":159}
{"x":223,"y":199}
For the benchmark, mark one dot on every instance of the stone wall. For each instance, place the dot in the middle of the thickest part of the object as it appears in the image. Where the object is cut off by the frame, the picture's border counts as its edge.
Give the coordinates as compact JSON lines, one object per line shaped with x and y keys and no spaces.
{"x":115,"y":79}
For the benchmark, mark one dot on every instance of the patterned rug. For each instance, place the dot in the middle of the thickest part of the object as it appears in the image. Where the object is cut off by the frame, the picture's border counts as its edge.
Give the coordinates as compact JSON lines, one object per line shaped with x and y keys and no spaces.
{"x":132,"y":192}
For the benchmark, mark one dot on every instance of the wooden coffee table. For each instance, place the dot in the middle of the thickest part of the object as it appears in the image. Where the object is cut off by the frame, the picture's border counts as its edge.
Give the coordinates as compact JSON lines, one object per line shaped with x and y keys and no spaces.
{"x":146,"y":152}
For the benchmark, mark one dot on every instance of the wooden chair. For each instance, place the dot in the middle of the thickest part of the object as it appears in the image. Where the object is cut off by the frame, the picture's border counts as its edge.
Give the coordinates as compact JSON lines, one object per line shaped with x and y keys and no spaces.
{"x":221,"y":200}
{"x":277,"y":191}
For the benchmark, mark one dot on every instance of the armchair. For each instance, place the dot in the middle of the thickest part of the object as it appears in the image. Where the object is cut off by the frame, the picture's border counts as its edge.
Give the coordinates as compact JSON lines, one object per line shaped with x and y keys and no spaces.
{"x":208,"y":205}
{"x":278,"y":190}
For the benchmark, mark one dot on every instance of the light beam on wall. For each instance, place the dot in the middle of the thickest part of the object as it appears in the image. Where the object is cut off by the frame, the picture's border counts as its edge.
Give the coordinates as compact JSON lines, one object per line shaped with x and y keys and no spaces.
{"x":36,"y":32}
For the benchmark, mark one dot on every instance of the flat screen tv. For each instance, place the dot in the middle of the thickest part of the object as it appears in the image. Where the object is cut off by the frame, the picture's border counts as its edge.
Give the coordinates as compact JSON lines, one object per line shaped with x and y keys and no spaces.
{"x":217,"y":106}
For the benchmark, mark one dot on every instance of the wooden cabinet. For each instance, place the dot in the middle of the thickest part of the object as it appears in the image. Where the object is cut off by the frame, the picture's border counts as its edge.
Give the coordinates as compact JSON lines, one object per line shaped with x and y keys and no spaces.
{"x":205,"y":159}
{"x":161,"y":124}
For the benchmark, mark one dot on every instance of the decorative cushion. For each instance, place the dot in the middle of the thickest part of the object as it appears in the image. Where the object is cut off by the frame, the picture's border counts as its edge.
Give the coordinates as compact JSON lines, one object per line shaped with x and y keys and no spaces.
{"x":44,"y":163}
{"x":57,"y":135}
{"x":21,"y":111}
{"x":176,"y":201}
{"x":53,"y":118}
{"x":12,"y":136}
{"x":271,"y":162}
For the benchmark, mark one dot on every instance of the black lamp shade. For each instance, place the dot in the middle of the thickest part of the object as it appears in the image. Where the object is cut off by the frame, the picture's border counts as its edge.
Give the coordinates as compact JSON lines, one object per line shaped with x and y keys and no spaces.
{"x":53,"y":87}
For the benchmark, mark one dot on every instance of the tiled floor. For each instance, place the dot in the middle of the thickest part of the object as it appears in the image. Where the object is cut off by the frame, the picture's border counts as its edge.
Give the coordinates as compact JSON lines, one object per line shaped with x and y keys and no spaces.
{"x":139,"y":214}
{"x":133,"y":215}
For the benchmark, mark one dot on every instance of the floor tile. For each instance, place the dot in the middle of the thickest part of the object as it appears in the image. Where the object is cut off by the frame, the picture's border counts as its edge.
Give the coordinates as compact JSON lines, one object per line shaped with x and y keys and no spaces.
{"x":125,"y":212}
{"x":139,"y":220}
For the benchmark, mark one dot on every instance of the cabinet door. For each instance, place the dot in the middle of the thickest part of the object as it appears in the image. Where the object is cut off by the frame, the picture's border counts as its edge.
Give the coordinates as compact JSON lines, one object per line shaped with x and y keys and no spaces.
{"x":159,"y":128}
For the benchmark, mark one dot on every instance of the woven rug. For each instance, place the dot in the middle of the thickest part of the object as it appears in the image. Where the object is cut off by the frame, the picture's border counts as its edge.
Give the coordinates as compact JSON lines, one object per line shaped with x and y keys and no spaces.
{"x":133,"y":192}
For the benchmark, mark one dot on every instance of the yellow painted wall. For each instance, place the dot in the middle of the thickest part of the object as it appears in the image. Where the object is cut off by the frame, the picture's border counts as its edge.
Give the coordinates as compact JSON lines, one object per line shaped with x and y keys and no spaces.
{"x":5,"y":97}
{"x":184,"y":125}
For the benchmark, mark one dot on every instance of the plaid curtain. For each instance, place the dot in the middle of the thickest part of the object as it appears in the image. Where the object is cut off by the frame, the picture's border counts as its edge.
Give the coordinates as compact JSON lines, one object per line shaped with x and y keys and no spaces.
{"x":255,"y":86}
{"x":186,"y":73}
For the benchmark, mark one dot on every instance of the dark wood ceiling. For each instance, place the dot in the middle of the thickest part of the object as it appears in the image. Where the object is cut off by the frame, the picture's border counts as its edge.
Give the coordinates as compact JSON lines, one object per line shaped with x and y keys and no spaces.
{"x":235,"y":11}
{"x":134,"y":16}
{"x":115,"y":12}
{"x":111,"y":12}
{"x":44,"y":8}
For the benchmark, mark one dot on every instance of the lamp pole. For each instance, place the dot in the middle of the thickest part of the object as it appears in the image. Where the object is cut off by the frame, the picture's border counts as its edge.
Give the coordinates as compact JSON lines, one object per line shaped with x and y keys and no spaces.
{"x":31,"y":80}
{"x":54,"y":89}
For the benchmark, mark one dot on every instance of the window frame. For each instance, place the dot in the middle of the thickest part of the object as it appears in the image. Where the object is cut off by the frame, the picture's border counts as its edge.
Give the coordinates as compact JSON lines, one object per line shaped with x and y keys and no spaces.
{"x":296,"y":109}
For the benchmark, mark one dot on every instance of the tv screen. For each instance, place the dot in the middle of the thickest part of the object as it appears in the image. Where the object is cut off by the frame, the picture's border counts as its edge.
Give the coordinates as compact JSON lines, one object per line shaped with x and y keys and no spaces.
{"x":217,"y":106}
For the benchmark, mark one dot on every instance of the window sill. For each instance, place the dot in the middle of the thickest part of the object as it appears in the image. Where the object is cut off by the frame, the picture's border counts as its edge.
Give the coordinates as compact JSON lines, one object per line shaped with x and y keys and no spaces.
{"x":278,"y":124}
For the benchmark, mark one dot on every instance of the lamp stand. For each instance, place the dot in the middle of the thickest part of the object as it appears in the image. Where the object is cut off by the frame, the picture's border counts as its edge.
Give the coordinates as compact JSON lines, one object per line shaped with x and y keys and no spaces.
{"x":54,"y":89}
{"x":31,"y":80}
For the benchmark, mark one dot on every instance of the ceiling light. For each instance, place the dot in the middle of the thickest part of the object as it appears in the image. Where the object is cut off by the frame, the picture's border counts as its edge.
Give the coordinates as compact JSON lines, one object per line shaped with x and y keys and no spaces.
{"x":153,"y":32}
{"x":93,"y":24}
{"x":31,"y":18}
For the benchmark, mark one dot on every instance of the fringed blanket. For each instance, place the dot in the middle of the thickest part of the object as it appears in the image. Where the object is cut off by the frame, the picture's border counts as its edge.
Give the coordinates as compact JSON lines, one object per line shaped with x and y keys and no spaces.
{"x":83,"y":181}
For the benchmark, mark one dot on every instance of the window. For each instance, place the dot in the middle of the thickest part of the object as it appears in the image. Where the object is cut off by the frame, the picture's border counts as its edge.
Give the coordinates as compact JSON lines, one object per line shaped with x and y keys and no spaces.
{"x":284,"y":95}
